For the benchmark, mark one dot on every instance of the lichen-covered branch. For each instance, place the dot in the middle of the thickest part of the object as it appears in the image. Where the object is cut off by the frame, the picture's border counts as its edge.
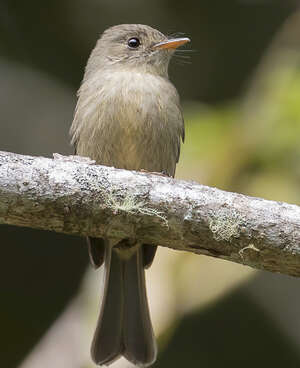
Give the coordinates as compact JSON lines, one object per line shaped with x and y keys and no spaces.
{"x":74,"y":196}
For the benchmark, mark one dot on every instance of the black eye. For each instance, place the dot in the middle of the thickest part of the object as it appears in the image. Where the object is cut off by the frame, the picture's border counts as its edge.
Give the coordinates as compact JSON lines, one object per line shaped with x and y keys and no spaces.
{"x":133,"y":43}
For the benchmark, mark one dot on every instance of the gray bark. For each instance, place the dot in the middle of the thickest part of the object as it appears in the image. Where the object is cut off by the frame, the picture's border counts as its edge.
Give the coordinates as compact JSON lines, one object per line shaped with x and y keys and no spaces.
{"x":72,"y":195}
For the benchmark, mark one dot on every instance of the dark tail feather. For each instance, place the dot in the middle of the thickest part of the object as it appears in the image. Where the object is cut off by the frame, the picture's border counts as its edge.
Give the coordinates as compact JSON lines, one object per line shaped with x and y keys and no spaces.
{"x":107,"y":342}
{"x":96,"y":249}
{"x":124,"y":325}
{"x":138,"y":337}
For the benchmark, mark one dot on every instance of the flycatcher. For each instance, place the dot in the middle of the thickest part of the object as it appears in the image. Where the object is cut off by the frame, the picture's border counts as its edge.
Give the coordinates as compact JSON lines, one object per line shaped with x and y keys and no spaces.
{"x":128,"y":115}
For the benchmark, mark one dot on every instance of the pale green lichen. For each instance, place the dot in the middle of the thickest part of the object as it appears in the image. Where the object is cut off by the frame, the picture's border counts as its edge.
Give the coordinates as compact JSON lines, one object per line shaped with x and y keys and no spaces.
{"x":131,"y":205}
{"x":225,"y":224}
{"x":249,"y":247}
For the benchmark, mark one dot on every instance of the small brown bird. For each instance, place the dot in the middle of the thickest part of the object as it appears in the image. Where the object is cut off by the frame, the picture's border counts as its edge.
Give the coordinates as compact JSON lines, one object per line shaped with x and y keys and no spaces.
{"x":128,"y":116}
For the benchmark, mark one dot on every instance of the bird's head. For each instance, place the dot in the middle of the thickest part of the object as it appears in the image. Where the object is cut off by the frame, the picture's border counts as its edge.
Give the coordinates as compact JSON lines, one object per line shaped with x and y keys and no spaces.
{"x":134,"y":46}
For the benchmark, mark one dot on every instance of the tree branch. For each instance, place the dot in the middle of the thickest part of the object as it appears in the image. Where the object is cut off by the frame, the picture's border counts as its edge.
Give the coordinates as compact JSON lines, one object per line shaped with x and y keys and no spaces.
{"x":72,"y":195}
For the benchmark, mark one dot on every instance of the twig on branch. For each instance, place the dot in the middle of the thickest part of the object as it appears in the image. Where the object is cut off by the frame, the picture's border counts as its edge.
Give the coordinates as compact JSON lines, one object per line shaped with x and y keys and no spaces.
{"x":73,"y":196}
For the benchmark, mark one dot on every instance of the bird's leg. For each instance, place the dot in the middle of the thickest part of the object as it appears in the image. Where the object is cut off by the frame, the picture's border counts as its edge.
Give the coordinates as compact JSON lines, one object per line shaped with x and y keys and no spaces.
{"x":73,"y":158}
{"x":163,"y":173}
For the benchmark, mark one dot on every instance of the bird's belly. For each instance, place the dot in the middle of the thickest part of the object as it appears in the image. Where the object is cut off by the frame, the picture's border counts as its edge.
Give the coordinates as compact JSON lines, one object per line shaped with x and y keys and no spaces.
{"x":133,"y":125}
{"x":134,"y":147}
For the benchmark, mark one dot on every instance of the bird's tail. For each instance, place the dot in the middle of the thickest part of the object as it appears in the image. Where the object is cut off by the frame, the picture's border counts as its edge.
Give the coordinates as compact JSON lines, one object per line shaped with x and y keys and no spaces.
{"x":124,"y":325}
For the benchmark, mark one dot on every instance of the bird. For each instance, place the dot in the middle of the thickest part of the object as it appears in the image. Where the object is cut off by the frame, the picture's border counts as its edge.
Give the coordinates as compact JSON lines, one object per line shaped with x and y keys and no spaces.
{"x":128,"y":115}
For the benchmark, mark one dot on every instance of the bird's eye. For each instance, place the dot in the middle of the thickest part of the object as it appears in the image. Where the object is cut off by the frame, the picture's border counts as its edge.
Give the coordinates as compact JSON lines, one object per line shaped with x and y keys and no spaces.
{"x":133,"y":43}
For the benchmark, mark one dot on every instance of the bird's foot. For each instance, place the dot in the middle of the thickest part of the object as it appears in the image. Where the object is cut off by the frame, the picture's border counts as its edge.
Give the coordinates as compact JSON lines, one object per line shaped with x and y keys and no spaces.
{"x":73,"y":158}
{"x":163,"y":173}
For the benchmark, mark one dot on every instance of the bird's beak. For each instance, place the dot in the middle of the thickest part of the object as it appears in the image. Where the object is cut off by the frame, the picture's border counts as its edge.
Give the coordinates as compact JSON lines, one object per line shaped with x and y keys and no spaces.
{"x":172,"y":43}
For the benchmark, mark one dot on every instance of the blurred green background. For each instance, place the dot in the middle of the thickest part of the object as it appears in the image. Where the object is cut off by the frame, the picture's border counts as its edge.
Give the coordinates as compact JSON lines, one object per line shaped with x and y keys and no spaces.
{"x":240,"y":89}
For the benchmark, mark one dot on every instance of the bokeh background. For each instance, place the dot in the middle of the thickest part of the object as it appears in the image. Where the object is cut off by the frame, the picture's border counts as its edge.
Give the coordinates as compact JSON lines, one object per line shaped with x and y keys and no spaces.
{"x":240,"y":89}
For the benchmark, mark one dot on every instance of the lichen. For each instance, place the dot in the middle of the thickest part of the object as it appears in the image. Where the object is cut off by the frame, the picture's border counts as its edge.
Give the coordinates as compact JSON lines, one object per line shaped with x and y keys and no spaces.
{"x":131,"y":205}
{"x":225,"y":224}
{"x":250,"y":247}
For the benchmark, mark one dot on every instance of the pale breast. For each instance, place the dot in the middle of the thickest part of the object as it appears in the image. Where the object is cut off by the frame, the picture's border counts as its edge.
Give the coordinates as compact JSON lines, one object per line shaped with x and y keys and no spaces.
{"x":129,"y":120}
